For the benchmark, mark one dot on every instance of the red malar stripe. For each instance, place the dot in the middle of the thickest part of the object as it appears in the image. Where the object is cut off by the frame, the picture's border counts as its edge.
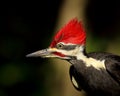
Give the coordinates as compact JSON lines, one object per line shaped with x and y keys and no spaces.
{"x":59,"y":54}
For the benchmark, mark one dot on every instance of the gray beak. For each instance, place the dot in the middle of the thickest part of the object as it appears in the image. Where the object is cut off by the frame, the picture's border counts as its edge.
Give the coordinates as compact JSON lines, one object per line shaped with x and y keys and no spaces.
{"x":40,"y":53}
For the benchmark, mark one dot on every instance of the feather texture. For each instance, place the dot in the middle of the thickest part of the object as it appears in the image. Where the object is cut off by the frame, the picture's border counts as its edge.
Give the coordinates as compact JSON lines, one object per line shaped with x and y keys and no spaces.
{"x":73,"y":33}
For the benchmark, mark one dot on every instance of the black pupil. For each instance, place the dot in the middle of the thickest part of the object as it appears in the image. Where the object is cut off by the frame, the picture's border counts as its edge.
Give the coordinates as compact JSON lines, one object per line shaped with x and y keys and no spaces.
{"x":59,"y":45}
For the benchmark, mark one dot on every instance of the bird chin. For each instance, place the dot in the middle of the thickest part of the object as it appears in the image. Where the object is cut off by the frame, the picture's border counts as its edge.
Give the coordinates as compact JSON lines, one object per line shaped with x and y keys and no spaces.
{"x":64,"y":58}
{"x":56,"y":56}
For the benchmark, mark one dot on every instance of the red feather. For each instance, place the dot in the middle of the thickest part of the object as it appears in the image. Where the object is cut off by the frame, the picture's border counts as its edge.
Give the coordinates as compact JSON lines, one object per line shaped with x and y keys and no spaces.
{"x":73,"y":32}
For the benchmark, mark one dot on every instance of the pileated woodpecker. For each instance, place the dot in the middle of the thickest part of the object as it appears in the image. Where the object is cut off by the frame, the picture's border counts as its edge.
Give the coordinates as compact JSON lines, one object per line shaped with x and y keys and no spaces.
{"x":98,"y":74}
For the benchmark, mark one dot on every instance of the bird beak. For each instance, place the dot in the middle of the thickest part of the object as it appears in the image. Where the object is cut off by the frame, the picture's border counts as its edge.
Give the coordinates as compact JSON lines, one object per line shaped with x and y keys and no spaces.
{"x":43,"y":53}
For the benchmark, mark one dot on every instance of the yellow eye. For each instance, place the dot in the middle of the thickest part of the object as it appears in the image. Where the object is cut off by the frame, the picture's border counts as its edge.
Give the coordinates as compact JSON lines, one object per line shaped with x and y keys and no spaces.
{"x":59,"y":46}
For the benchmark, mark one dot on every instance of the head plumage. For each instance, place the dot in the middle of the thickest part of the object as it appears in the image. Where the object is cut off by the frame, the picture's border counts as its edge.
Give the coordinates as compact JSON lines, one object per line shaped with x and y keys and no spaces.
{"x":73,"y":33}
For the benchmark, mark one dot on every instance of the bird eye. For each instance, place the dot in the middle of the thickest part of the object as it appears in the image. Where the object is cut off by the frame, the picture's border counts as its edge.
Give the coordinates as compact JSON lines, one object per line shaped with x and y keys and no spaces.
{"x":59,"y":46}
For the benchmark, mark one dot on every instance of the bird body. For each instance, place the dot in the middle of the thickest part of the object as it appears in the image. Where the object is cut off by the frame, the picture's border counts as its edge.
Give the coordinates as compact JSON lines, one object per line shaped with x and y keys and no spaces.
{"x":95,"y":81}
{"x":98,"y":73}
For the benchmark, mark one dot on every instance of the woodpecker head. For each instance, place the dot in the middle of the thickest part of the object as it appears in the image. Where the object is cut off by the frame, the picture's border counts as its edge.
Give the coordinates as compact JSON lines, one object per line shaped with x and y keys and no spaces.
{"x":67,"y":43}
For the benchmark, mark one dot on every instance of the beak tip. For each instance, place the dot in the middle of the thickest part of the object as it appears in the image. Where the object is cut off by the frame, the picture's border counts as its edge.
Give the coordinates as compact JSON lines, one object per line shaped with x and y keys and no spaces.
{"x":32,"y":55}
{"x":28,"y":55}
{"x":40,"y":53}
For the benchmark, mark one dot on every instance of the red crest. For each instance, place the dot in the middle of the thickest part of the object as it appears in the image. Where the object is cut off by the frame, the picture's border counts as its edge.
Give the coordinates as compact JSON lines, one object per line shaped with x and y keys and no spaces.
{"x":73,"y":33}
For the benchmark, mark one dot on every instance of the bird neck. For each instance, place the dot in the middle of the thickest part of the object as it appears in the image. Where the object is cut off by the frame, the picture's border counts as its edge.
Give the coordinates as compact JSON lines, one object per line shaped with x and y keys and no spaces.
{"x":89,"y":61}
{"x":81,"y":54}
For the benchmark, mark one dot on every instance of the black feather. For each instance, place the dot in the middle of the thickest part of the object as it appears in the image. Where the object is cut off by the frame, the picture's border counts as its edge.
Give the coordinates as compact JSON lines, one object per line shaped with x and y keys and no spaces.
{"x":103,"y":82}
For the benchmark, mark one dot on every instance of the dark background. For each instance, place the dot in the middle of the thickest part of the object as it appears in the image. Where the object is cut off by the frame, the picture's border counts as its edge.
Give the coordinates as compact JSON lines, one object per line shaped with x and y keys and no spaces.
{"x":29,"y":26}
